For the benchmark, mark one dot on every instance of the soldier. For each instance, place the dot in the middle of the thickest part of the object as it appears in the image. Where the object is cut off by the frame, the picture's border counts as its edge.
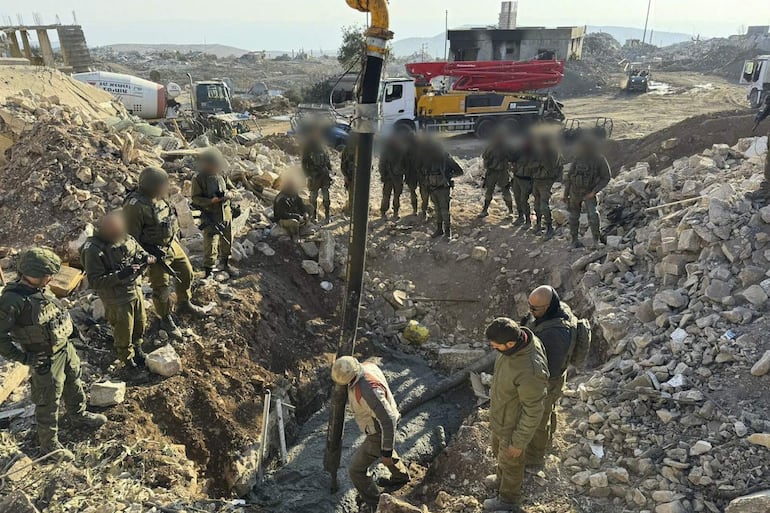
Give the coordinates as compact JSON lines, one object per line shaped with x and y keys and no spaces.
{"x":497,"y":163}
{"x":516,"y":408}
{"x":151,"y":220}
{"x":413,"y":174}
{"x":522,"y":182}
{"x":289,"y":211}
{"x":553,"y":322}
{"x":36,"y":330}
{"x":763,"y":193}
{"x":114,"y":263}
{"x":440,"y":168}
{"x":212,"y":194}
{"x":348,"y":165}
{"x":590,"y":173}
{"x":545,"y":169}
{"x":317,"y":167}
{"x":392,"y":175}
{"x":376,"y":413}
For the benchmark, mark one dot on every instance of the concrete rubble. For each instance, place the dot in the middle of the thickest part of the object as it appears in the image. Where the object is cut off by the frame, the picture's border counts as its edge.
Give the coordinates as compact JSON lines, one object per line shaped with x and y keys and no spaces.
{"x":108,"y":393}
{"x":164,"y":361}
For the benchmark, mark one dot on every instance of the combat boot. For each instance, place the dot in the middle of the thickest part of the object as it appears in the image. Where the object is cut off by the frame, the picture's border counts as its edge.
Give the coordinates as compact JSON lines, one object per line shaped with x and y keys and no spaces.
{"x":396,"y":217}
{"x":527,"y":223}
{"x":327,"y":216}
{"x":597,"y":235}
{"x":187,"y":307}
{"x":485,"y":210}
{"x":538,"y":227}
{"x":447,"y":231}
{"x":168,"y":325}
{"x":140,"y":357}
{"x":519,"y":220}
{"x":88,"y":419}
{"x":227,"y":267}
{"x":207,"y":272}
{"x":576,"y":242}
{"x":548,"y":235}
{"x":62,"y":454}
{"x":439,"y":231}
{"x":497,"y":504}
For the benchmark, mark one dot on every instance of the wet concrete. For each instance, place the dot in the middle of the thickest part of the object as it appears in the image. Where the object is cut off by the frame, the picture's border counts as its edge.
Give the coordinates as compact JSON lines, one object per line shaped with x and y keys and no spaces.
{"x":302,"y":486}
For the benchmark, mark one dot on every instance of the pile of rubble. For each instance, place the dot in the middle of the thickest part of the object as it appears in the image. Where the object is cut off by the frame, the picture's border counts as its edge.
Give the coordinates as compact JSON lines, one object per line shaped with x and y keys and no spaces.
{"x":680,"y":301}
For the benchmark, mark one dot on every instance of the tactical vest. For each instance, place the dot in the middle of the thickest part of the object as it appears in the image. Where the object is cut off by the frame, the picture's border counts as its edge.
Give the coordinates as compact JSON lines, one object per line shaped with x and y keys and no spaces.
{"x":213,"y":186}
{"x":159,"y":220}
{"x":43,"y":326}
{"x":495,"y":161}
{"x":115,"y":257}
{"x":584,"y":173}
{"x":363,"y":414}
{"x":549,"y":168}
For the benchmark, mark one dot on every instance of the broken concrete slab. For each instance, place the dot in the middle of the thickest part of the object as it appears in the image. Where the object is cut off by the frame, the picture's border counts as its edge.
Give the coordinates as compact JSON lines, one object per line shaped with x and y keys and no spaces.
{"x":753,"y":503}
{"x":326,"y":251}
{"x":458,"y":357}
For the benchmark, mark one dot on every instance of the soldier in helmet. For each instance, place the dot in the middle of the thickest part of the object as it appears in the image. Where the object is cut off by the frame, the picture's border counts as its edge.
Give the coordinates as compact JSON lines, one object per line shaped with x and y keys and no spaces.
{"x":391,"y":170}
{"x":36,"y":330}
{"x":317,"y":167}
{"x":497,"y":164}
{"x":114,"y":263}
{"x":545,"y":168}
{"x":413,"y":173}
{"x":212,"y":194}
{"x":440,"y":170}
{"x":376,"y":414}
{"x":590,"y":173}
{"x":151,"y":220}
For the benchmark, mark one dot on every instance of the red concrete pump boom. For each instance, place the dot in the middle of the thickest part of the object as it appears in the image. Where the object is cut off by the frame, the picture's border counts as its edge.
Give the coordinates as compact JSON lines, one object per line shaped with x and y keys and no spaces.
{"x":500,"y":76}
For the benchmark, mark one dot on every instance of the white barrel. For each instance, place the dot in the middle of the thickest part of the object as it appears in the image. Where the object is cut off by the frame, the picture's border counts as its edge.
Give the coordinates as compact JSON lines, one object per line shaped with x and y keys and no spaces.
{"x":141,"y":97}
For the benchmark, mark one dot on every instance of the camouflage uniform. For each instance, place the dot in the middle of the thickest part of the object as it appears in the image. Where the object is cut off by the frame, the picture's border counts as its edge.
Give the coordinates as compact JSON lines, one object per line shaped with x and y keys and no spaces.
{"x":497,"y":159}
{"x":317,"y":167}
{"x":439,"y":168}
{"x":522,"y":188}
{"x":348,"y":163}
{"x":545,"y":171}
{"x":392,"y":176}
{"x":206,"y":187}
{"x":590,"y":174}
{"x":153,"y":222}
{"x":108,"y":268}
{"x":414,"y":176}
{"x":35,"y":329}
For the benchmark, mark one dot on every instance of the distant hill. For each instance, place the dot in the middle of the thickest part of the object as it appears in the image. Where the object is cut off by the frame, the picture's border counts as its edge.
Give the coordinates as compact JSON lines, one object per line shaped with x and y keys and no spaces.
{"x":213,"y":49}
{"x":435,"y":44}
{"x":658,"y":38}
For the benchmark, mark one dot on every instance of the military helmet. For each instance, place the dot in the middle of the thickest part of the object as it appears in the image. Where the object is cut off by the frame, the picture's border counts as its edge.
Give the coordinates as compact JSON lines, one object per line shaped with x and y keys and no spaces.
{"x":212,"y":157}
{"x":345,"y":369}
{"x":152,"y":177}
{"x":38,"y":263}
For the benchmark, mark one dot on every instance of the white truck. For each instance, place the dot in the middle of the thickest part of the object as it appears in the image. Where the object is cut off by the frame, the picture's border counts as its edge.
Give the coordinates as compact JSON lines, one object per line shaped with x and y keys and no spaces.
{"x":757,"y":79}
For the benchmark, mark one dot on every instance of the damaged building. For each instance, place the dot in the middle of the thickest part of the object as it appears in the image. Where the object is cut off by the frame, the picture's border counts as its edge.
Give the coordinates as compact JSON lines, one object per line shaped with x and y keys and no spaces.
{"x":16,"y":43}
{"x":518,"y":44}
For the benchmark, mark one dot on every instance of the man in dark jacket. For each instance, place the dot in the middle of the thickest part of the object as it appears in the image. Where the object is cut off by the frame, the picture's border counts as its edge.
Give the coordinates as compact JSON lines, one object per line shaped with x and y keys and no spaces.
{"x":516,"y":406}
{"x":554,"y":323}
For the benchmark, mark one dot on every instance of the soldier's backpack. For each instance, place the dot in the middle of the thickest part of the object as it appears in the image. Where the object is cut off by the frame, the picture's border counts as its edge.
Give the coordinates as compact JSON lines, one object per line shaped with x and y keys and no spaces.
{"x":581,"y":343}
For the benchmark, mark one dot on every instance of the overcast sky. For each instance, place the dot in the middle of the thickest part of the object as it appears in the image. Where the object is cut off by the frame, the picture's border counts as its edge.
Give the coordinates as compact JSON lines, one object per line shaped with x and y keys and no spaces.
{"x":289,"y":24}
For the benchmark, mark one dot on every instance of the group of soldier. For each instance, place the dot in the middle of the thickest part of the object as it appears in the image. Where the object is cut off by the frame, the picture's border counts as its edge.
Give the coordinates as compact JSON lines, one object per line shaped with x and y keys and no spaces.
{"x":36,"y":329}
{"x":526,"y":165}
{"x":529,"y":374}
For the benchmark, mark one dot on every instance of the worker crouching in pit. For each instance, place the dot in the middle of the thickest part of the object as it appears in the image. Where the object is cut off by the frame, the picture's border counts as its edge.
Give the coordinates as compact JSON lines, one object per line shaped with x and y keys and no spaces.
{"x":376,"y":414}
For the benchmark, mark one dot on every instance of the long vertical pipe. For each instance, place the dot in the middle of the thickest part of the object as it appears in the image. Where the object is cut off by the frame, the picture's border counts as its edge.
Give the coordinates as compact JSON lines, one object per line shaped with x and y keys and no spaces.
{"x":646,"y":21}
{"x":365,"y":125}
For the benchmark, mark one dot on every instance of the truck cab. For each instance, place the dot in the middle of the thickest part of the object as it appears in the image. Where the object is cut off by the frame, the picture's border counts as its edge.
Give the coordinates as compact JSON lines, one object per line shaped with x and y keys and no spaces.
{"x":398,"y":99}
{"x":755,"y":76}
{"x":212,"y":97}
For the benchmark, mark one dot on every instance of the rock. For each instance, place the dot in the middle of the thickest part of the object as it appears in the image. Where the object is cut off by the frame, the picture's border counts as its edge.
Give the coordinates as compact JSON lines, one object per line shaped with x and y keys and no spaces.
{"x":670,"y":507}
{"x":390,"y":504}
{"x":740,"y":428}
{"x":17,"y":502}
{"x":672,"y":298}
{"x":719,"y":212}
{"x":326,"y":252}
{"x":644,"y":312}
{"x":164,"y":361}
{"x":670,"y":144}
{"x":617,"y":475}
{"x":479,"y":253}
{"x":663,"y":496}
{"x":718,"y":290}
{"x":596,"y":418}
{"x":754,"y":295}
{"x":85,"y":174}
{"x":265,"y":249}
{"x":665,"y":416}
{"x":311,"y":267}
{"x":458,"y":358}
{"x":764,"y":212}
{"x":689,"y":241}
{"x":762,"y":439}
{"x":700,"y":447}
{"x":762,"y":366}
{"x":108,"y":393}
{"x":310,"y":249}
{"x":754,"y":503}
{"x":581,"y":478}
{"x":598,"y":480}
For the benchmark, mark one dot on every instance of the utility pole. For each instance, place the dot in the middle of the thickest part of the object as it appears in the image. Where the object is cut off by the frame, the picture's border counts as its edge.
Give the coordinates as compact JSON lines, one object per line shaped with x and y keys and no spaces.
{"x":646,"y":21}
{"x":446,"y":35}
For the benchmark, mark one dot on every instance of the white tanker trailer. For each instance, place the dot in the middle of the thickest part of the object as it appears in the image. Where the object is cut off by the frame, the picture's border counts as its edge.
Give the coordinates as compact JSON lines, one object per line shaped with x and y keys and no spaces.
{"x":142,"y":98}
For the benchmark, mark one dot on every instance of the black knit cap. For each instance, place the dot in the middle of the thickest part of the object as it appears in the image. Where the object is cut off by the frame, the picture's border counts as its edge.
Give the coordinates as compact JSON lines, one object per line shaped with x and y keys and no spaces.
{"x":503,"y":330}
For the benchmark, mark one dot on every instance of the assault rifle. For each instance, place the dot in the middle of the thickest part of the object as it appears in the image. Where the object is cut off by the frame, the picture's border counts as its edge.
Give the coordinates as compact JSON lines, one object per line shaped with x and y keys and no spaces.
{"x":160,"y":259}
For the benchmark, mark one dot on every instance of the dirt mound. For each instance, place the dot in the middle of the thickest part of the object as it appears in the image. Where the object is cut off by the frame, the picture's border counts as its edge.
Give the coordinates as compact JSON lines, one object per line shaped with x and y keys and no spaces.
{"x":661,"y":148}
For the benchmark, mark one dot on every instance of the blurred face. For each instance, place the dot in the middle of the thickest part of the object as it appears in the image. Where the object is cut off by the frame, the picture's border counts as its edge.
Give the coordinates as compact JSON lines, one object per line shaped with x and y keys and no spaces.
{"x":39,"y":282}
{"x":497,"y":346}
{"x":113,"y":228}
{"x":163,"y":189}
